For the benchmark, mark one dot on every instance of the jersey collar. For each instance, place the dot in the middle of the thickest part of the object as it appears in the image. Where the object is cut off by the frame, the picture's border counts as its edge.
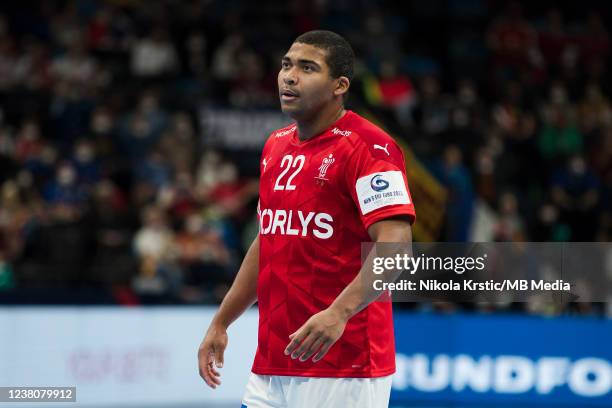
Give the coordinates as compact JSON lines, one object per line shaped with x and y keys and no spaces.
{"x":295,"y":140}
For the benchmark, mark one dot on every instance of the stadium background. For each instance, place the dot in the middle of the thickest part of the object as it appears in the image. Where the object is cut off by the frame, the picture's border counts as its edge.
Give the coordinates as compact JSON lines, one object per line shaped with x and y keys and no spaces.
{"x":129,"y":149}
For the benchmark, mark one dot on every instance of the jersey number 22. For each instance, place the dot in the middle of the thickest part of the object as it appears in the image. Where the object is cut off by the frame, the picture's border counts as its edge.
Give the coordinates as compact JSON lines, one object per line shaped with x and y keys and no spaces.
{"x":289,"y":162}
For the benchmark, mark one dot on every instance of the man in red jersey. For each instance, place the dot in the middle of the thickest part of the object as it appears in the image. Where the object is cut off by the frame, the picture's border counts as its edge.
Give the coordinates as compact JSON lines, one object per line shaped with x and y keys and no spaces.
{"x":328,"y":183}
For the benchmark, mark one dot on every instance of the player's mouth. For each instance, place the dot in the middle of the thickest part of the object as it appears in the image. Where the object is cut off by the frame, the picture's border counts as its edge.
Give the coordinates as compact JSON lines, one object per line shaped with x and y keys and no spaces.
{"x":288,"y":95}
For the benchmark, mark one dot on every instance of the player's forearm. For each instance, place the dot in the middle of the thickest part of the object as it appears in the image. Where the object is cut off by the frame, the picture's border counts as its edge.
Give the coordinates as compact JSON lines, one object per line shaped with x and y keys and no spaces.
{"x":361,"y":292}
{"x":243,"y":292}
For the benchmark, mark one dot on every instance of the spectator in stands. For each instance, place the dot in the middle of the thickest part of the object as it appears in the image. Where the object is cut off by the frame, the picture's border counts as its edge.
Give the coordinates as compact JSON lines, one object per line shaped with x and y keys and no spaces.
{"x":179,"y":143}
{"x":32,"y":69}
{"x":456,"y":178}
{"x":396,"y":92}
{"x":249,"y":87}
{"x":466,"y":128}
{"x":225,"y":66}
{"x":511,"y":37}
{"x":594,"y":42}
{"x":510,"y":225}
{"x":204,"y":257}
{"x":154,"y":55}
{"x":7,"y":279}
{"x":559,"y":137}
{"x":153,"y":171}
{"x":594,"y":111}
{"x":575,"y":190}
{"x":65,"y":190}
{"x":553,"y":38}
{"x":86,"y":164}
{"x":140,"y":130}
{"x":75,"y":66}
{"x":28,"y":141}
{"x":113,"y":223}
{"x":153,"y":244}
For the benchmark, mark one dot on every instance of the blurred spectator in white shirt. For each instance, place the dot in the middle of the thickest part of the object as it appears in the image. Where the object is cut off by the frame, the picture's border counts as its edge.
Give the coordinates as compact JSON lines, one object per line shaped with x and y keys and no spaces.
{"x":154,"y":55}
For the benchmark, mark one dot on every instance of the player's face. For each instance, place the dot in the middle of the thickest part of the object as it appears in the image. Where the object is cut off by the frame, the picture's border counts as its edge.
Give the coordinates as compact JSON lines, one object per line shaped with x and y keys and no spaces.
{"x":304,"y":82}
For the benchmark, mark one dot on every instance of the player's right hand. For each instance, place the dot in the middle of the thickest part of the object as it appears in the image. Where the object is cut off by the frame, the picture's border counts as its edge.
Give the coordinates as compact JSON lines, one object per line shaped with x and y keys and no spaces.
{"x":210,"y":355}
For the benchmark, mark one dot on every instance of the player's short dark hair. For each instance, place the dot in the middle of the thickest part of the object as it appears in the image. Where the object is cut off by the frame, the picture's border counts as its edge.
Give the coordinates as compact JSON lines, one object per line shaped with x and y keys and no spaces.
{"x":340,"y":56}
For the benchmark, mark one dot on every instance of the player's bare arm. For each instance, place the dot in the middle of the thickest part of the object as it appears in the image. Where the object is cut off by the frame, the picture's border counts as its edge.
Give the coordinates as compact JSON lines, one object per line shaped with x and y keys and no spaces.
{"x":239,"y":298}
{"x":323,"y":329}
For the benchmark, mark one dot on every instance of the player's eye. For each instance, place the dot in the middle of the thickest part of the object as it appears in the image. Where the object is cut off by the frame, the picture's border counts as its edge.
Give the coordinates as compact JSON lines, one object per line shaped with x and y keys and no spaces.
{"x":285,"y":64}
{"x":308,"y":68}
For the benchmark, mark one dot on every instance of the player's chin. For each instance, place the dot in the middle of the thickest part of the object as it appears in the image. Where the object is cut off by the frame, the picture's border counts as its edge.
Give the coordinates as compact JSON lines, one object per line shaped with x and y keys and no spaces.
{"x":290,"y":108}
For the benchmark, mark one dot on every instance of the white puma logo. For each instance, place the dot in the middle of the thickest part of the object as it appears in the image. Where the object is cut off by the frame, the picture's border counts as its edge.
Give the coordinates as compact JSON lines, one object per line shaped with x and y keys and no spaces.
{"x":265,"y":163}
{"x":379,"y":147}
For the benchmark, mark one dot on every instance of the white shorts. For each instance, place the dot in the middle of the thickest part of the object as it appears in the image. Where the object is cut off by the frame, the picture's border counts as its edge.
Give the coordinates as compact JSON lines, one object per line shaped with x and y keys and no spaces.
{"x":275,"y":391}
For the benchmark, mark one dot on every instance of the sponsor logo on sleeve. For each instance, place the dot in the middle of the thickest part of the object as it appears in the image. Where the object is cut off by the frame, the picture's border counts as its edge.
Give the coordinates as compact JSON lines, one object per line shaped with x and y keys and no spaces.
{"x":378,"y":183}
{"x":381,"y":189}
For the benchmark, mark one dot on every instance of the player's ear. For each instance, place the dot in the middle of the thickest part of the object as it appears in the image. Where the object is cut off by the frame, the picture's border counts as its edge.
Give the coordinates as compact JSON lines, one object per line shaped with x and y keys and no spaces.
{"x":342,"y":86}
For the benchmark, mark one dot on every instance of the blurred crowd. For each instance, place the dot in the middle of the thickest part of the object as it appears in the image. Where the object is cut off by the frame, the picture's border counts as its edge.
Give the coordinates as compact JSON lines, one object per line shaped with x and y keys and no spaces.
{"x":107,"y":186}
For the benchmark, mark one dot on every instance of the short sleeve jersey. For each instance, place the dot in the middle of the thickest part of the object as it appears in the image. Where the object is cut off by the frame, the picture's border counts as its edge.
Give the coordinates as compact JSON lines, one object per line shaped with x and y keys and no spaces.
{"x":317,"y":199}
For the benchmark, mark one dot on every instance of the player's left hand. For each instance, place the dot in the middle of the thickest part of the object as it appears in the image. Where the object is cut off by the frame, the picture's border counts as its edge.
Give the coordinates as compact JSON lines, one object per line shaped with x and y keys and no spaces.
{"x":317,"y":335}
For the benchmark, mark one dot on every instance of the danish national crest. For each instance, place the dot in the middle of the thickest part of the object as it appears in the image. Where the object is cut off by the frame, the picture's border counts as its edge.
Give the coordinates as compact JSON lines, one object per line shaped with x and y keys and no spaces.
{"x":327,"y":161}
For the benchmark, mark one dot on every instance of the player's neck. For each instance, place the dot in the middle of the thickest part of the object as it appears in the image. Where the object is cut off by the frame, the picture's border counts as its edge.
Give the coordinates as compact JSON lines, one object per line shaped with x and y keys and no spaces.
{"x":310,"y":128}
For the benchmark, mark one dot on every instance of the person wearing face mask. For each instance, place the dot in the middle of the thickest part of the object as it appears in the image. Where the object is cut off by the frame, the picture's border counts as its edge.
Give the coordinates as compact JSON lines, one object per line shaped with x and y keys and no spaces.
{"x":64,"y":189}
{"x":86,"y":164}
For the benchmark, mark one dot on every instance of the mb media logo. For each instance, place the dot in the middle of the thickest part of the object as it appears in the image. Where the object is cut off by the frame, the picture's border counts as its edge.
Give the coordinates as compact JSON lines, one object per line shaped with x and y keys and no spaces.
{"x":378,"y":183}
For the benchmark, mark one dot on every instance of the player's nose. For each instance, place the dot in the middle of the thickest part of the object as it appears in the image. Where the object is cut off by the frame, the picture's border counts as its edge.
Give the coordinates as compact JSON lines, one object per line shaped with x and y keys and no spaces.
{"x":289,"y":78}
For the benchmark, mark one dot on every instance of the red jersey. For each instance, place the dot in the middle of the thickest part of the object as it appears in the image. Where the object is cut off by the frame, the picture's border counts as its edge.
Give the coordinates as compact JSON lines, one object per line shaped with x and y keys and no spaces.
{"x":317,"y":199}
